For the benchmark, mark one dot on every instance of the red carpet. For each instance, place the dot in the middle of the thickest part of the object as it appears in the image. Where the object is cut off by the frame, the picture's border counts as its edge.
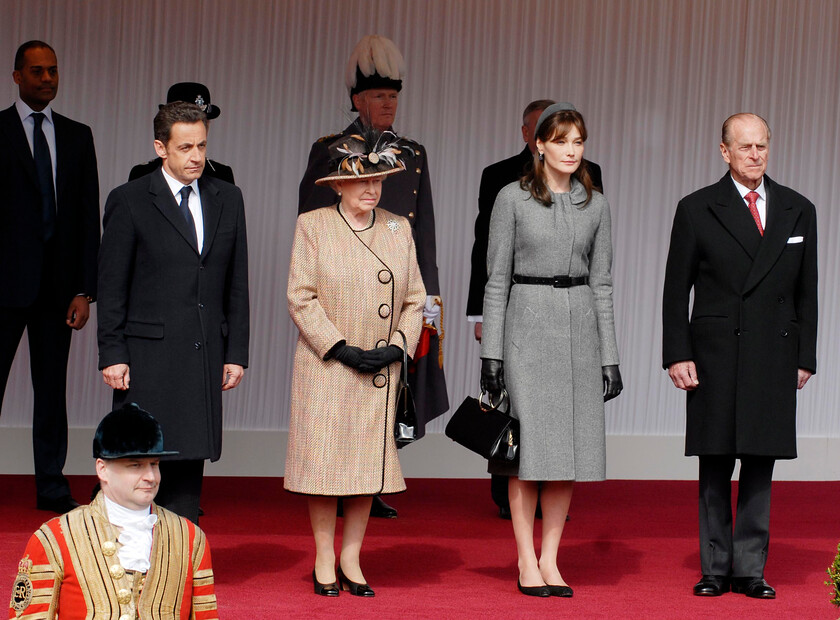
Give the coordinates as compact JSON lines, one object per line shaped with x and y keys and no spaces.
{"x":629,"y":551}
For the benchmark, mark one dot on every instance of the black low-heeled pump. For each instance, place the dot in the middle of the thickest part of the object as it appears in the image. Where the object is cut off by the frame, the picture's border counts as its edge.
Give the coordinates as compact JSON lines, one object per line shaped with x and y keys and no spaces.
{"x":541,"y":591}
{"x":356,"y":589}
{"x":324,"y":589}
{"x":562,"y":591}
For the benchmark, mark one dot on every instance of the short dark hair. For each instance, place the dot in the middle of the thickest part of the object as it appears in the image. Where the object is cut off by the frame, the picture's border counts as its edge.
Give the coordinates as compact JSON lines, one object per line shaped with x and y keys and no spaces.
{"x":539,"y":104}
{"x":176,"y":112}
{"x":21,"y":51}
{"x":726,"y":130}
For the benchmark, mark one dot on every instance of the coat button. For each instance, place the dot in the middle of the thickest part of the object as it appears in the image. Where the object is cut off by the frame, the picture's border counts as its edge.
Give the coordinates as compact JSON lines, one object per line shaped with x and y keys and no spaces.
{"x":197,"y":346}
{"x":201,"y":306}
{"x":737,"y":331}
{"x":784,"y":333}
{"x":417,"y":170}
{"x":781,"y":300}
{"x":381,"y":343}
{"x":384,"y":276}
{"x":411,"y":213}
{"x":384,"y":311}
{"x":415,"y":192}
{"x":379,"y":380}
{"x":416,"y":152}
{"x":201,"y":266}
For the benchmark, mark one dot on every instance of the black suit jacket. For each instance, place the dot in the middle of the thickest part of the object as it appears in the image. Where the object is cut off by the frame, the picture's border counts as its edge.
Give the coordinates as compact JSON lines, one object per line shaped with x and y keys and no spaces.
{"x":407,"y":193}
{"x":173,"y":315}
{"x":493,"y":179}
{"x":211,"y":169}
{"x":754,"y":318}
{"x":75,"y":243}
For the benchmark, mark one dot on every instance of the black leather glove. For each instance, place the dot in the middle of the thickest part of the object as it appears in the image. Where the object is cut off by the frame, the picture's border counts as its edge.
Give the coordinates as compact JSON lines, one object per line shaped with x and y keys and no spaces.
{"x":375,"y":359}
{"x":612,"y":382}
{"x":349,"y":356}
{"x":492,"y":378}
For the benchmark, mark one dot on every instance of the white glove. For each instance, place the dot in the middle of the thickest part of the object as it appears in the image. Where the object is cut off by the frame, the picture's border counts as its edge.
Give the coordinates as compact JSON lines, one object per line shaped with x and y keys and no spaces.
{"x":431,"y":310}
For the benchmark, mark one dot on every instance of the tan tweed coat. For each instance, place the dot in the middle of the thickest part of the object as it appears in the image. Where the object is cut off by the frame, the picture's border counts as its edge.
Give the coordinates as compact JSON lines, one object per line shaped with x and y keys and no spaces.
{"x":362,"y":288}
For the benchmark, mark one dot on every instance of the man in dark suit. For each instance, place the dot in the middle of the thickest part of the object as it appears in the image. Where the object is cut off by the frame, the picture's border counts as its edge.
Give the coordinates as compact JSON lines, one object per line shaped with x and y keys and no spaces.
{"x":173,"y":305}
{"x":747,"y":246}
{"x":493,"y":179}
{"x":199,"y":94}
{"x":49,"y":237}
{"x":374,"y":80}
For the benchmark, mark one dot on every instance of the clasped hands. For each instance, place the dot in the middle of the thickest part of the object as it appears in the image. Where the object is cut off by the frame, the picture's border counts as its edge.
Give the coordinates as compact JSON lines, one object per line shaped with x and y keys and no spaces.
{"x":370,"y":360}
{"x":493,"y":379}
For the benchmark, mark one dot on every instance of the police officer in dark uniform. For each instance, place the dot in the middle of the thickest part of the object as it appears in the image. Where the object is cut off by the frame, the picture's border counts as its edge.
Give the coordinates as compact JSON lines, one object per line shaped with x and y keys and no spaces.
{"x":199,"y":94}
{"x":374,"y":80}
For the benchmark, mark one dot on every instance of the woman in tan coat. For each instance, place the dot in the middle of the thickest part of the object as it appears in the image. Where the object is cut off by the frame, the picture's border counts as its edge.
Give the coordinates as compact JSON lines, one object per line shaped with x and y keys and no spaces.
{"x":354,"y":285}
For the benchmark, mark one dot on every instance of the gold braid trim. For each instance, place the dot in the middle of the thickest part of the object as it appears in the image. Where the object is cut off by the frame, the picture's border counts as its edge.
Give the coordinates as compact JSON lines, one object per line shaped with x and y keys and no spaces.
{"x":441,"y":334}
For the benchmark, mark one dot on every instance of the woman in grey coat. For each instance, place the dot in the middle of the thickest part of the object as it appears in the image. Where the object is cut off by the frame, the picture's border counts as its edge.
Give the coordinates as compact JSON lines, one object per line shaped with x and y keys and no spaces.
{"x":549,"y":336}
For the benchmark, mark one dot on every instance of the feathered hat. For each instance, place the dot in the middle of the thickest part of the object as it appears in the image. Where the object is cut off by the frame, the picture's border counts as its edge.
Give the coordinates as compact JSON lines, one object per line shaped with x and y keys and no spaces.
{"x":374,"y":63}
{"x":371,"y":153}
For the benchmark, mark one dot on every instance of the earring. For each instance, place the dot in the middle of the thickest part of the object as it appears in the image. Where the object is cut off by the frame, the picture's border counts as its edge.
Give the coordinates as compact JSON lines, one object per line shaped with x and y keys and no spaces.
{"x":542,"y":157}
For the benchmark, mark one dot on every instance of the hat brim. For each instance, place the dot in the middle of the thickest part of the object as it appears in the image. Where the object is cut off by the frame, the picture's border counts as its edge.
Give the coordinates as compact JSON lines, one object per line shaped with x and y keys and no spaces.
{"x":346,"y":176}
{"x":138,"y":455}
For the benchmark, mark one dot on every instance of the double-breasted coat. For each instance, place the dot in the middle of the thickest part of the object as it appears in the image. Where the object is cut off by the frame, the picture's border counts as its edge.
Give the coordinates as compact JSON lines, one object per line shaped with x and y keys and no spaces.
{"x":754,"y":318}
{"x":553,"y":341}
{"x":359,"y":288}
{"x":174,"y":315}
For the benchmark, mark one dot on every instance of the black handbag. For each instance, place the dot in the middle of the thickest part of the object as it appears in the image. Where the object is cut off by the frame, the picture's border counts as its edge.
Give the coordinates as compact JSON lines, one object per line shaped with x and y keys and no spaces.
{"x":405,"y":419}
{"x":485,"y":430}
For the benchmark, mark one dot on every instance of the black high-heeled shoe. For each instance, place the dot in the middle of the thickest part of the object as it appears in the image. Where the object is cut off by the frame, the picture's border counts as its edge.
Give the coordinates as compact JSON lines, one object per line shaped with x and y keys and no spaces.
{"x":541,"y":591}
{"x":356,"y":589}
{"x":324,"y":589}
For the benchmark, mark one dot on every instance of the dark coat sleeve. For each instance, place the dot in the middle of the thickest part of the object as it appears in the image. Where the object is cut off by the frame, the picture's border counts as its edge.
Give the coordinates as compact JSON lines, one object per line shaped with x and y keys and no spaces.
{"x":116,"y":263}
{"x":311,"y":196}
{"x":425,"y":229}
{"x":806,"y":296}
{"x":680,"y":273}
{"x":237,"y":301}
{"x":90,"y":215}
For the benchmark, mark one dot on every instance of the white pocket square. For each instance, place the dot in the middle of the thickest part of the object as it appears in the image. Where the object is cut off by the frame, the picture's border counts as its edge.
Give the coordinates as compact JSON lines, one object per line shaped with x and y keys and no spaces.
{"x":796,"y":239}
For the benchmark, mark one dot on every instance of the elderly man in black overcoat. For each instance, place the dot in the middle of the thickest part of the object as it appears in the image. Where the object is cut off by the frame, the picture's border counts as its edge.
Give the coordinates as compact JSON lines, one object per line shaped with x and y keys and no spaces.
{"x":747,"y":246}
{"x":173,"y":299}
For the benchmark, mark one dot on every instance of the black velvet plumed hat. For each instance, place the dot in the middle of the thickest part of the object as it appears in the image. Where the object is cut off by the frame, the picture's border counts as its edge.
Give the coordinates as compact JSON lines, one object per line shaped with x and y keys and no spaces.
{"x":129,"y":432}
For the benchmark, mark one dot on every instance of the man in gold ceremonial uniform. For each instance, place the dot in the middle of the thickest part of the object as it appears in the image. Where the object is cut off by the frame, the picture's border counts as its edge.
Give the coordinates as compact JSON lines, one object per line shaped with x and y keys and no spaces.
{"x":121,"y":557}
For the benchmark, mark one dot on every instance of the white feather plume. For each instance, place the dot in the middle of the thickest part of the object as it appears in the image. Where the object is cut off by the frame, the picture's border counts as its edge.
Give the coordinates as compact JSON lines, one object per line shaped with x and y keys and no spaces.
{"x":374,"y":54}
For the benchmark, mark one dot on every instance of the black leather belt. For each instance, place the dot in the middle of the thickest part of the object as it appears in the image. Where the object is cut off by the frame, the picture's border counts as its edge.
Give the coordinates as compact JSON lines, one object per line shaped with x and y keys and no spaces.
{"x":555,"y":281}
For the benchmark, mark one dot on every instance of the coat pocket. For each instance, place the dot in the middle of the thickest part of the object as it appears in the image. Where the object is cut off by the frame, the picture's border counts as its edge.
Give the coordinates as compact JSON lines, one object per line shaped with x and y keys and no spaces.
{"x":142,"y":329}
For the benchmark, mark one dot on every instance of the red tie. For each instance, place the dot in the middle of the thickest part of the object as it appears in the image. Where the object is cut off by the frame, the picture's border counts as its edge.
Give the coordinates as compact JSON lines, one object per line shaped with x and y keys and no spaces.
{"x":751,"y":197}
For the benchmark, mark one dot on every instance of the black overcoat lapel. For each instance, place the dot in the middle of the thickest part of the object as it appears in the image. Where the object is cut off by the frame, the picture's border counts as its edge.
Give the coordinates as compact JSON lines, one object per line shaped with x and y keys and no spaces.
{"x":211,"y":211}
{"x":732,"y":212}
{"x":781,"y":218}
{"x":165,"y":202}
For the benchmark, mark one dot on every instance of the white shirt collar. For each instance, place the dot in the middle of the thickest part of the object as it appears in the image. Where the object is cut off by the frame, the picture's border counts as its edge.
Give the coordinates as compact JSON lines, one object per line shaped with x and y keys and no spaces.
{"x":175,"y":185}
{"x":743,"y":190}
{"x":24,"y":111}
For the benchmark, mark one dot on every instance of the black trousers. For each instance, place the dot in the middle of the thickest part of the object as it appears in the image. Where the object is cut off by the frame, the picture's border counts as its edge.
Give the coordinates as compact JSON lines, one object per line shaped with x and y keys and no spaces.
{"x":180,"y":487}
{"x":49,"y":349}
{"x":739,"y":551}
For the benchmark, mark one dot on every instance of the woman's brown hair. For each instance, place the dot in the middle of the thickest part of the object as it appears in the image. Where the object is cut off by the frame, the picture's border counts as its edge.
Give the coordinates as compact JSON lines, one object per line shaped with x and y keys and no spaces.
{"x":556,"y":126}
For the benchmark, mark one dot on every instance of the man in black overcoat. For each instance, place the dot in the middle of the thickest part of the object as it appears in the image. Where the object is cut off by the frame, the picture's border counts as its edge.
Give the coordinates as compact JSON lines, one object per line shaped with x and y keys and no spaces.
{"x":747,"y":246}
{"x":374,"y":77}
{"x":49,"y":237}
{"x":199,"y":94}
{"x":173,"y":314}
{"x":493,"y":179}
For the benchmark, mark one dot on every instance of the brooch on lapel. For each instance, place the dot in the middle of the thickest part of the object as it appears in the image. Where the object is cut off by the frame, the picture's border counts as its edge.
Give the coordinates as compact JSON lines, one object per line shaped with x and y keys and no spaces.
{"x":393,"y":225}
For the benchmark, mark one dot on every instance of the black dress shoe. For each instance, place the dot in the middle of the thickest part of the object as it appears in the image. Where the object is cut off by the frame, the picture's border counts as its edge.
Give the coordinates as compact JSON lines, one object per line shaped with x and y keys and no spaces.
{"x":324,"y":589}
{"x":59,"y":505}
{"x":356,"y":589}
{"x":562,"y":591}
{"x":380,"y":509}
{"x":541,"y":591}
{"x":711,"y":585}
{"x":754,"y":587}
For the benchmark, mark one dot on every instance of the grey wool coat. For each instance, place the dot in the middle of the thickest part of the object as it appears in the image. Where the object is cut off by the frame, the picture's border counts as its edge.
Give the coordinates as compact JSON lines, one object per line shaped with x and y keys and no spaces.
{"x":553,"y":341}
